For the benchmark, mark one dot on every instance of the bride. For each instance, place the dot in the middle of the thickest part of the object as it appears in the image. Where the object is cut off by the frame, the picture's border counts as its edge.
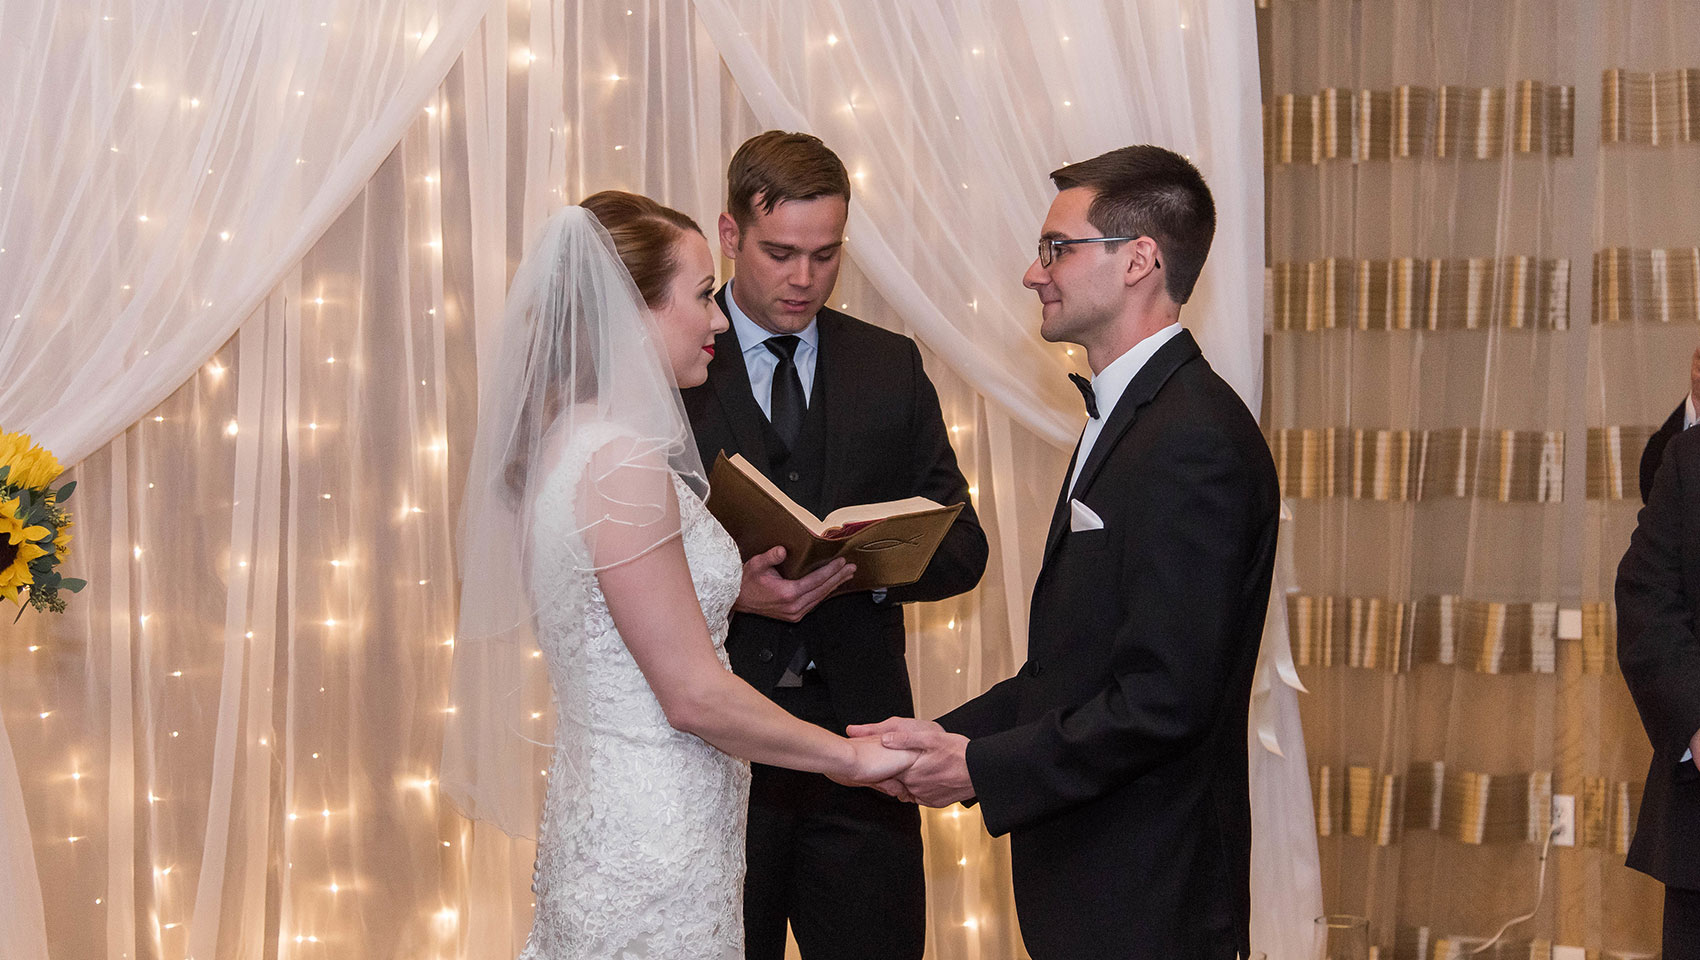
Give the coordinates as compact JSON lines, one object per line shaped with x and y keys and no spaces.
{"x":586,"y":538}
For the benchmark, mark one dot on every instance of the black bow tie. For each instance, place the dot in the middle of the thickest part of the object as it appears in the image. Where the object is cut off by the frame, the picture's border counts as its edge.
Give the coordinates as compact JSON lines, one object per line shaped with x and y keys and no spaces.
{"x":1086,"y":393}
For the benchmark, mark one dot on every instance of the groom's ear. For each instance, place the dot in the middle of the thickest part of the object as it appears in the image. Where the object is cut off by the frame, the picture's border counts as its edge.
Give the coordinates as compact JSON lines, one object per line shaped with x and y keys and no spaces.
{"x":728,"y":237}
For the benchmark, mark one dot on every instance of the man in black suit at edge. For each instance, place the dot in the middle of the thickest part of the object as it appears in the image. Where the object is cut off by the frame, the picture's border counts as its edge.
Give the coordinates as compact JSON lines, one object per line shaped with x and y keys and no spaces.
{"x":1116,"y":757}
{"x":1684,"y":416}
{"x":836,"y":412}
{"x":1658,"y":606}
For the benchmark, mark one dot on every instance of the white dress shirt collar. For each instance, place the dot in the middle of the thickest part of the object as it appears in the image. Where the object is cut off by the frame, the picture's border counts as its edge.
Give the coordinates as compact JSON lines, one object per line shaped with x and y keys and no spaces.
{"x":1112,"y":381}
{"x":1109,"y":385}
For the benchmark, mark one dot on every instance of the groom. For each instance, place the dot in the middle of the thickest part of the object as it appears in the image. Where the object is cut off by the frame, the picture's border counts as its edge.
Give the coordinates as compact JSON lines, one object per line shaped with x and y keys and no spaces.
{"x":1116,"y":757}
{"x":835,"y":412}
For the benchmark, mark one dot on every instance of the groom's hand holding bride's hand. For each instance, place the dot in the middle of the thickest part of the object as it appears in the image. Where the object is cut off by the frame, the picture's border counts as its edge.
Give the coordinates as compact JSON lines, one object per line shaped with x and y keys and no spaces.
{"x":939,"y":776}
{"x":767,"y":593}
{"x":873,"y":763}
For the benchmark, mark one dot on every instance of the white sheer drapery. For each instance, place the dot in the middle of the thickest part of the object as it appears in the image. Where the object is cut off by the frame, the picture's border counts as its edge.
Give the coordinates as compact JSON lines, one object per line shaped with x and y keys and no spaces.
{"x":251,"y":692}
{"x":163,"y":163}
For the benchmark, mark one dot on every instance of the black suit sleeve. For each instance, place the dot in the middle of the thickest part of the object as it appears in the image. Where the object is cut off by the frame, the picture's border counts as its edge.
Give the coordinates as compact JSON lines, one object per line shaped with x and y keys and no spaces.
{"x":1656,"y":645}
{"x":1655,"y":451}
{"x":1189,"y":569}
{"x":987,"y":713}
{"x":961,"y":557}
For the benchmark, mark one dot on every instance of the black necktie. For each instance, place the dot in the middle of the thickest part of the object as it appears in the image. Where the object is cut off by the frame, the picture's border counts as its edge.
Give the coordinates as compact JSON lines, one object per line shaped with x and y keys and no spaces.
{"x":786,"y":403}
{"x":1085,"y":386}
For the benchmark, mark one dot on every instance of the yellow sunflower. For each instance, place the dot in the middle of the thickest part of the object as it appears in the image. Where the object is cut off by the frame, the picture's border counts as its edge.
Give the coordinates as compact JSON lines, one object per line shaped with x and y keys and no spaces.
{"x":17,"y":549}
{"x":32,"y":466}
{"x":62,"y":543}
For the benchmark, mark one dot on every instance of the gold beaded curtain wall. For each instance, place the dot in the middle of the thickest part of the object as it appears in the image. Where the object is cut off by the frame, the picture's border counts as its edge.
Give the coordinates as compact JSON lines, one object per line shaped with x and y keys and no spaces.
{"x":268,"y":374}
{"x":1482,"y":301}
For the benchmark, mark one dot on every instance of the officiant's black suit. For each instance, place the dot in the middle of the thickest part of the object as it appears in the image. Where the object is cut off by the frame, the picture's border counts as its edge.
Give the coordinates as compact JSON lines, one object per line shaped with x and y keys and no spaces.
{"x":1658,"y":608}
{"x":1116,"y":757}
{"x":843,"y":864}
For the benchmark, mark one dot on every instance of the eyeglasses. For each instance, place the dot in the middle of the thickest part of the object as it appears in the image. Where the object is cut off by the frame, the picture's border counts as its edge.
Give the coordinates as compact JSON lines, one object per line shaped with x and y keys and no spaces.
{"x":1049,"y":248}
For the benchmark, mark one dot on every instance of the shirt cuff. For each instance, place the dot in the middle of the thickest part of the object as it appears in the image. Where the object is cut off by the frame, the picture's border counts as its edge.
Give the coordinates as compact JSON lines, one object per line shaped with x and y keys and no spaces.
{"x":1689,"y":416}
{"x":1687,"y":755}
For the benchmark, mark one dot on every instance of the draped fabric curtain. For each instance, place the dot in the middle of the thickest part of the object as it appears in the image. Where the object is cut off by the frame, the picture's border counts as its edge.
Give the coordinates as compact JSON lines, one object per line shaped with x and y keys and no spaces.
{"x":161,"y":164}
{"x":227,"y":747}
{"x":1481,"y":303}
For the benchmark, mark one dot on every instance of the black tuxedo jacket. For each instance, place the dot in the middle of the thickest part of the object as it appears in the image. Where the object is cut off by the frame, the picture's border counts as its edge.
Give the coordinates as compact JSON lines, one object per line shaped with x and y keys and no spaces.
{"x":1658,"y":606}
{"x":885,"y":440}
{"x":1654,"y":454}
{"x":1116,"y":757}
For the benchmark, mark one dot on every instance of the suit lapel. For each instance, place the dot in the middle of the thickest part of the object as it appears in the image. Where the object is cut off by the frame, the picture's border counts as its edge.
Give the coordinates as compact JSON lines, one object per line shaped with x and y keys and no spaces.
{"x":730,"y":381}
{"x":1141,"y":391}
{"x":836,"y":384}
{"x":1059,"y":513}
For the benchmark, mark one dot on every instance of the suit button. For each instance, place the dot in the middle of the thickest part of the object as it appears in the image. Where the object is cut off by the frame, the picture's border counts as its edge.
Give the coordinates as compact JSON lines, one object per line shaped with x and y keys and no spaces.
{"x":793,"y":476}
{"x":766,"y":656}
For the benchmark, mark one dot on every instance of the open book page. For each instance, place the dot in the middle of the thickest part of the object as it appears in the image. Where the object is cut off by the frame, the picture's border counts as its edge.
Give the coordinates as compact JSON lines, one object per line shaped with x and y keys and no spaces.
{"x":844,"y":520}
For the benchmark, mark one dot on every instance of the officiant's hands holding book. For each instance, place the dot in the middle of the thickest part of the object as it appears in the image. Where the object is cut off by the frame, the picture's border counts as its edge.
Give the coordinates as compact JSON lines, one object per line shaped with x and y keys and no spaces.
{"x":766,"y":592}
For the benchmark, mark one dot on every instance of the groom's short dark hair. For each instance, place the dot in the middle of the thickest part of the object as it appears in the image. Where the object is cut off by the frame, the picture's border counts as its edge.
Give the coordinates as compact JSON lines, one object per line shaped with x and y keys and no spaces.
{"x":776,"y":166}
{"x":1147,"y":191}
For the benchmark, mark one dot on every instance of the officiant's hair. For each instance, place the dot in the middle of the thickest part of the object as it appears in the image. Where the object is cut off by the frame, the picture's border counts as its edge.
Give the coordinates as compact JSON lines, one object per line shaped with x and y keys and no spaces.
{"x":646,"y":235}
{"x":773,"y":167}
{"x":1147,"y":191}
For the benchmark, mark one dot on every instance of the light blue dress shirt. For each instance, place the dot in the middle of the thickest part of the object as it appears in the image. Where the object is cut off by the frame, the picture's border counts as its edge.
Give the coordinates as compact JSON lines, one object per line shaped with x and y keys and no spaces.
{"x":760,"y":361}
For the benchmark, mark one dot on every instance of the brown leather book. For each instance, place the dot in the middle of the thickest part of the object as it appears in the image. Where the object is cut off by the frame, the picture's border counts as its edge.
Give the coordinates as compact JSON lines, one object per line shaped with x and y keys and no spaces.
{"x":890,"y":543}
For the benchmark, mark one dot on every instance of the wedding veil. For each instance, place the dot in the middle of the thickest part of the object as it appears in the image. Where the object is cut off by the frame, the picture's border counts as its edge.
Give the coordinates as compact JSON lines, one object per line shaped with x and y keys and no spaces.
{"x":581,"y":361}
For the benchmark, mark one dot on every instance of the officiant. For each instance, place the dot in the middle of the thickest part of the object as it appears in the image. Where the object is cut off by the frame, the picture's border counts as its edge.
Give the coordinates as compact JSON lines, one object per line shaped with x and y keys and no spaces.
{"x":836,"y":412}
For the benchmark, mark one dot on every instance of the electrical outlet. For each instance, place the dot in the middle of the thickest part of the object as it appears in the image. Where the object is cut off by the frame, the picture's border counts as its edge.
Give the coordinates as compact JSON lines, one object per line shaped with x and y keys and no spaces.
{"x":1563,"y":820}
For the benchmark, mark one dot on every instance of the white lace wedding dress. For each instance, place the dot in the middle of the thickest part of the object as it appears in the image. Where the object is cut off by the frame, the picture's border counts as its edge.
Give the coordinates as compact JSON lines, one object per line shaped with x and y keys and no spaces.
{"x":640,"y":853}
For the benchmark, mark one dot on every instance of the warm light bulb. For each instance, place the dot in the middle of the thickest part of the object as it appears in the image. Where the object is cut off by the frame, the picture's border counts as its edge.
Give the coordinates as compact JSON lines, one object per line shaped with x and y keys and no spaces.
{"x":231,"y":428}
{"x":832,"y":39}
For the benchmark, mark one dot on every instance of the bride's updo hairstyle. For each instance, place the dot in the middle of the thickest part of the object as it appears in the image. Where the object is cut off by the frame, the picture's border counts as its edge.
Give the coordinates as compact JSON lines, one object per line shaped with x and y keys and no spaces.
{"x":645,"y":236}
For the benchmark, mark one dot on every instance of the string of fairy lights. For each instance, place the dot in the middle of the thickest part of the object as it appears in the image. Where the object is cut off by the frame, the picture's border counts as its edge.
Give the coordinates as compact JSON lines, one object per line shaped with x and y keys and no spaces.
{"x":311,"y":905}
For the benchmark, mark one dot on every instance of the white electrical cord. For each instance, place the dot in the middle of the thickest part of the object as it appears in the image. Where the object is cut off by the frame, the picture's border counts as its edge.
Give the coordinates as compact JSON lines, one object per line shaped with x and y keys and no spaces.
{"x":1540,"y":891}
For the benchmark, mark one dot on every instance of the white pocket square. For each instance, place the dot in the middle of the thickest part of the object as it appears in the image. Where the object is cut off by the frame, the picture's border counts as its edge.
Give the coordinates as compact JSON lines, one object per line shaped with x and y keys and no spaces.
{"x":1081,"y":517}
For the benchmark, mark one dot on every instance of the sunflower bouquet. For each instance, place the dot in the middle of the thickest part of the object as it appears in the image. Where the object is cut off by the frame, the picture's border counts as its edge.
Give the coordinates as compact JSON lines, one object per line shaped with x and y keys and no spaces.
{"x":35,"y":529}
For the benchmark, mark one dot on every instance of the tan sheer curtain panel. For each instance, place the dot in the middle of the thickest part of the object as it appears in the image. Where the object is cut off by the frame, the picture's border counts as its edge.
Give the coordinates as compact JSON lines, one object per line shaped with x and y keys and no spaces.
{"x":1480,"y":307}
